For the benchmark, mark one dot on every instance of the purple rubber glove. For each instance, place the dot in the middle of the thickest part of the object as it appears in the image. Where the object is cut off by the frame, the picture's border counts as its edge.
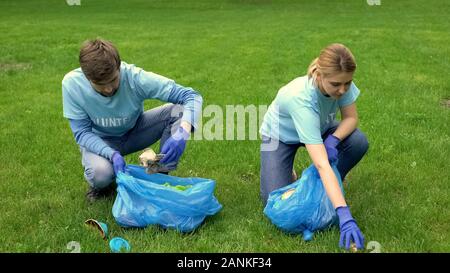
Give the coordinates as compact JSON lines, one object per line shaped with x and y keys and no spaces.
{"x":349,"y":229}
{"x":331,"y":142}
{"x":118,"y":162}
{"x":174,"y":147}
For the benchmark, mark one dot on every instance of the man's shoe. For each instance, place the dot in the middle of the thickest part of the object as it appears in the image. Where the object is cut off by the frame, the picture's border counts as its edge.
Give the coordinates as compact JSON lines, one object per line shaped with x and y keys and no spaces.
{"x":94,"y":194}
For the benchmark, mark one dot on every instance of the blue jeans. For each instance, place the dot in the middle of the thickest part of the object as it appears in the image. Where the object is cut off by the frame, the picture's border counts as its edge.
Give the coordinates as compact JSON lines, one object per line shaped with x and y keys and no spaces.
{"x":151,"y":126}
{"x":277,"y":164}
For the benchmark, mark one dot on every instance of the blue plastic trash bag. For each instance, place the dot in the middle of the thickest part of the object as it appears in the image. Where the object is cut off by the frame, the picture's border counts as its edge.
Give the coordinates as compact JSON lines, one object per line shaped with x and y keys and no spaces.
{"x":171,"y":202}
{"x":303,"y":206}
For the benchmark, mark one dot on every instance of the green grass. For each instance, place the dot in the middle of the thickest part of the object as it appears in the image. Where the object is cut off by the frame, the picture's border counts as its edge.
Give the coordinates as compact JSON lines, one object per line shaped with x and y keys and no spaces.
{"x":233,"y":52}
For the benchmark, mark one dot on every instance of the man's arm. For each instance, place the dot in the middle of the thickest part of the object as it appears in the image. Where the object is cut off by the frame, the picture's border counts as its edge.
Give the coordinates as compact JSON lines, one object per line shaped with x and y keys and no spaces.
{"x":153,"y":86}
{"x":82,"y":132}
{"x":192,"y":102}
{"x":348,"y":123}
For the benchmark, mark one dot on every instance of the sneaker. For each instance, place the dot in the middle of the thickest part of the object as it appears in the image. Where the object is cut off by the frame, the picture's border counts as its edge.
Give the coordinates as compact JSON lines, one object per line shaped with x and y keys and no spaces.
{"x":94,"y":194}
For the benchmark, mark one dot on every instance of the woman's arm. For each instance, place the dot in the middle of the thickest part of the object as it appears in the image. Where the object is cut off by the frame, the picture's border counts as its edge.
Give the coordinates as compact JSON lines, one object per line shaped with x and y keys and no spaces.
{"x":348,"y":123}
{"x":348,"y":228}
{"x":320,"y":159}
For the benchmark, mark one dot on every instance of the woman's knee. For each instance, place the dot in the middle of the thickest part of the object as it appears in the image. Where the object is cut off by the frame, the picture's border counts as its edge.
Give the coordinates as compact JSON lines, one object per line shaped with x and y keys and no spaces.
{"x":263,"y":192}
{"x":276,"y":167}
{"x":100,"y":174}
{"x":363,"y":142}
{"x":273,"y":181}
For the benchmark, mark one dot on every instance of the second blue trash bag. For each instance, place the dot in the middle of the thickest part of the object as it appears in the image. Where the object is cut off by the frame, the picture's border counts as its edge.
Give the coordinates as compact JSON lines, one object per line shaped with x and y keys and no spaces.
{"x":303,"y":206}
{"x":145,"y":199}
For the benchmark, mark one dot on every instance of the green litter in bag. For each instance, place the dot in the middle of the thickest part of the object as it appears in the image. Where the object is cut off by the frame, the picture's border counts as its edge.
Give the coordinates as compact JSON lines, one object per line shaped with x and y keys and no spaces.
{"x":177,"y":187}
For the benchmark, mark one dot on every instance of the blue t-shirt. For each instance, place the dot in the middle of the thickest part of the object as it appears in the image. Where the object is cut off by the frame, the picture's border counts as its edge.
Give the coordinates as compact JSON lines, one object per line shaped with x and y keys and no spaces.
{"x":300,"y":113}
{"x":93,"y":116}
{"x":114,"y":116}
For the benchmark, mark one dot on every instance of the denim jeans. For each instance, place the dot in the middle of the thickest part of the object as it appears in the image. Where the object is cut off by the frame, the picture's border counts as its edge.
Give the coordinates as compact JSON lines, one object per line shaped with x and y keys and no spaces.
{"x":277,"y":164}
{"x":153,"y":125}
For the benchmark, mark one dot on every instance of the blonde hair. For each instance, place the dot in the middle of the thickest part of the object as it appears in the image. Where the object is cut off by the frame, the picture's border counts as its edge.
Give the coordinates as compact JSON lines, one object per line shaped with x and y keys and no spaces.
{"x":333,"y":59}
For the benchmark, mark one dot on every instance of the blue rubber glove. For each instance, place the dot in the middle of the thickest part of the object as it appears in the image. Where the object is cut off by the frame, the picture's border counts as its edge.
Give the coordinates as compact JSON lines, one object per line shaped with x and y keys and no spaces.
{"x":174,"y":147}
{"x":118,"y":162}
{"x":331,"y":142}
{"x":349,"y":229}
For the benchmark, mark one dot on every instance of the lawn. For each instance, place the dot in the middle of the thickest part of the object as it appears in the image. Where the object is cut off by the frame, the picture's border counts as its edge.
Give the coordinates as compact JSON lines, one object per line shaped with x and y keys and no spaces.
{"x":234,"y":53}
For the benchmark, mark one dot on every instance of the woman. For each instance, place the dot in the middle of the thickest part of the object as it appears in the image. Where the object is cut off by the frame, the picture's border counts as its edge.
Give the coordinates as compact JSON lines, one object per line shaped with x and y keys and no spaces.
{"x":303,"y":114}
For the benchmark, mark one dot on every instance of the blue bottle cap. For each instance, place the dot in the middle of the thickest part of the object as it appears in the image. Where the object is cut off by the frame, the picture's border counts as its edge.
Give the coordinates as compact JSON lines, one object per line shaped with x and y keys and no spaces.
{"x":118,"y":244}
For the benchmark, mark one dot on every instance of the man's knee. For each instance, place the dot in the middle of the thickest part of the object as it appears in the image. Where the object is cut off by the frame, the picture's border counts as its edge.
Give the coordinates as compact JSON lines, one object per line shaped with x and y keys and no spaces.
{"x":100,"y":175}
{"x":173,"y":112}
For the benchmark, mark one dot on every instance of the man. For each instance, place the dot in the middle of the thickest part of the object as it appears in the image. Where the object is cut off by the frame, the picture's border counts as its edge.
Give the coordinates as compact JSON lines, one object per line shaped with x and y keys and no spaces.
{"x":103,"y":101}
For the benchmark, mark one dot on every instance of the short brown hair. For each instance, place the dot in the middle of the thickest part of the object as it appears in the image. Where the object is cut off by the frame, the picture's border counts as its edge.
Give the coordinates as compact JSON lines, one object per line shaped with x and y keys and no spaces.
{"x":99,"y":59}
